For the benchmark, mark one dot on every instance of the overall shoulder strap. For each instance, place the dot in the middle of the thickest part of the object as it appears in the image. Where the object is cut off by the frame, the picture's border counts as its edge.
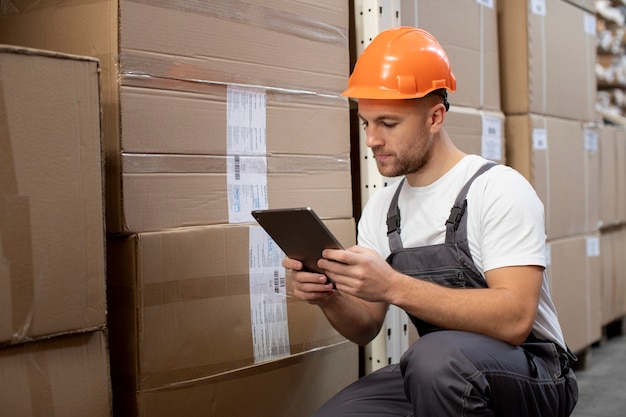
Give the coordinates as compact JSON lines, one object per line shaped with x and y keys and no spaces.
{"x":460,"y":205}
{"x":393,"y":221}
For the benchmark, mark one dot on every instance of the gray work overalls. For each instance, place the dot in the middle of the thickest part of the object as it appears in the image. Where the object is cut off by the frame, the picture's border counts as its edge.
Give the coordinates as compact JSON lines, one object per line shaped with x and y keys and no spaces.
{"x":450,"y":372}
{"x":449,"y":264}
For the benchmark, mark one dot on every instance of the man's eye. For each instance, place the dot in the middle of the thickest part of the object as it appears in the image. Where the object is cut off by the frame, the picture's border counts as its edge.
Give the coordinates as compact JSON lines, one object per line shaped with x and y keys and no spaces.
{"x":389,"y":124}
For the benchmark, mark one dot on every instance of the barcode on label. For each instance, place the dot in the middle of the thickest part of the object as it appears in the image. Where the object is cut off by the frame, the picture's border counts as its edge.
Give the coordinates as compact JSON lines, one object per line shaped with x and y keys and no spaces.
{"x":237,"y":168}
{"x":276,"y":283}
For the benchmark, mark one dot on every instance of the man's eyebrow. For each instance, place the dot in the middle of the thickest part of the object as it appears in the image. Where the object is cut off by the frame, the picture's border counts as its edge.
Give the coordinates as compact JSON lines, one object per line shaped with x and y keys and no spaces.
{"x":381,"y":117}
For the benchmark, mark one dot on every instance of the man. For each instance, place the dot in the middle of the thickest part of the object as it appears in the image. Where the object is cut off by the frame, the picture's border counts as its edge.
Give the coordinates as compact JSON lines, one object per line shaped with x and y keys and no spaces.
{"x":459,"y":244}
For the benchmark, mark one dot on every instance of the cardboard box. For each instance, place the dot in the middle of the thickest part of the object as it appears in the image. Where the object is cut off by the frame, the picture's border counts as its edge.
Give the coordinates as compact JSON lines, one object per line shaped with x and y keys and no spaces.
{"x":477,"y":132}
{"x":63,"y":376}
{"x":613,"y":245}
{"x":543,"y":71}
{"x":168,"y":191}
{"x":188,"y":120}
{"x":561,"y":160}
{"x":609,"y":191}
{"x":468,"y":32}
{"x":52,"y":273}
{"x":189,"y":303}
{"x":574,"y":274}
{"x":293,"y":386}
{"x":294,"y":51}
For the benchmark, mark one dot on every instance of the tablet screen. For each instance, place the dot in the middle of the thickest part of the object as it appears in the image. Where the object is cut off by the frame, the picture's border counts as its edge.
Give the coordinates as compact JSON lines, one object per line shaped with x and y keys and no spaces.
{"x":299,"y":232}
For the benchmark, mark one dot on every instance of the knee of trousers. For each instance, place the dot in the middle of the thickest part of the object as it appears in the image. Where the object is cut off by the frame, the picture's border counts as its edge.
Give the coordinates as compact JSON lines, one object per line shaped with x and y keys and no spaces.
{"x":437,"y":374}
{"x":438,"y":359}
{"x":432,"y":353}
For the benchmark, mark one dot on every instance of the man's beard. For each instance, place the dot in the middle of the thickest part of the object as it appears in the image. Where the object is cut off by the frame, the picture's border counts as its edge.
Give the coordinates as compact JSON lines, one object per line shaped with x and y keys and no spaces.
{"x":414,"y":163}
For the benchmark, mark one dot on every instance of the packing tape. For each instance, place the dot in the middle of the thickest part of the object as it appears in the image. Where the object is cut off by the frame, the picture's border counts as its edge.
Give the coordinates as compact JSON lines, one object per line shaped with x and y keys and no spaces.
{"x":15,"y":236}
{"x":182,"y":76}
{"x":216,"y":164}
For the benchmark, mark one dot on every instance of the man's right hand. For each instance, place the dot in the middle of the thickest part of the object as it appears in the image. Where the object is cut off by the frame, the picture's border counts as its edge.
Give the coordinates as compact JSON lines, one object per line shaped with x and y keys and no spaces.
{"x":311,"y":287}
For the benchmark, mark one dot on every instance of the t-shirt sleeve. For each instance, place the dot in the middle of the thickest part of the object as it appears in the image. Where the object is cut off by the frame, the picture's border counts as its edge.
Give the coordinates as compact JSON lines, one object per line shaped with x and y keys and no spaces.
{"x":509,"y":223}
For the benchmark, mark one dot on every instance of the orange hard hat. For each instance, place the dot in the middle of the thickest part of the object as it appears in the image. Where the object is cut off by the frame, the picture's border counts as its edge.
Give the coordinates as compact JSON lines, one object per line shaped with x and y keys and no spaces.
{"x":401,"y":63}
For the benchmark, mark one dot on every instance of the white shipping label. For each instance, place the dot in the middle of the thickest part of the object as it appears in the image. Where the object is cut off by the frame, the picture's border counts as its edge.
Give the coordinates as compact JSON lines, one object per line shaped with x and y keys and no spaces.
{"x":245,"y":121}
{"x":591,"y":140}
{"x":593,"y":246}
{"x":246,"y":178}
{"x":246,"y":164}
{"x":538,"y":7}
{"x":540,"y":139}
{"x":486,"y":3}
{"x":268,"y":298}
{"x":589,"y":23}
{"x":491,"y":141}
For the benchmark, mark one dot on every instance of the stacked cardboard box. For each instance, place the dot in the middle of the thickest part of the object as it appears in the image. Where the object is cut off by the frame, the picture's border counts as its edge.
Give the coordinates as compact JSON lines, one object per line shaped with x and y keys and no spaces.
{"x":613,"y":222}
{"x":611,"y":29}
{"x":211,"y":110}
{"x":548,"y":96}
{"x":52,"y":271}
{"x":167,"y":80}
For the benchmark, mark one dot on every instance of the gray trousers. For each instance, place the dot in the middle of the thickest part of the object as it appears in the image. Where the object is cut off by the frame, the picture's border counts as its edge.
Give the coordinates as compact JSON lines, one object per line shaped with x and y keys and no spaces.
{"x":453,"y":373}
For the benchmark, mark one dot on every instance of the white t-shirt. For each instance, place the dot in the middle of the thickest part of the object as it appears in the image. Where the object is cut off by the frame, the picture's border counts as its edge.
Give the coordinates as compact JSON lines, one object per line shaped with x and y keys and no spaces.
{"x":505,"y":224}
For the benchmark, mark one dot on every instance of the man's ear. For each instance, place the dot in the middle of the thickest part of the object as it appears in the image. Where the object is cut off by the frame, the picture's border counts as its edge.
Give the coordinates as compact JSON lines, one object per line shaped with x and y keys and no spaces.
{"x":437,"y":116}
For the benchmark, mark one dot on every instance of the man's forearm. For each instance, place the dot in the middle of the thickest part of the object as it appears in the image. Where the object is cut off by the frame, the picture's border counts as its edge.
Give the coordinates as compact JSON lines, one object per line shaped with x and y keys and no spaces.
{"x":357,"y":320}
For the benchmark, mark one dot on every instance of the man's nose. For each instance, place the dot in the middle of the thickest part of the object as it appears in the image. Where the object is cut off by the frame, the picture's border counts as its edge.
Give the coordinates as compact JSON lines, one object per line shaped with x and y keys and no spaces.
{"x":373,"y":137}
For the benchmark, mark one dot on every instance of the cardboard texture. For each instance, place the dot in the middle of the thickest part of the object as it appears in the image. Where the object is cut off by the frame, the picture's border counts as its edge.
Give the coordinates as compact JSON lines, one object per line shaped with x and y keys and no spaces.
{"x":574,"y":273}
{"x":296,"y":51}
{"x":561,"y":160}
{"x":468,"y":32}
{"x":52,"y":273}
{"x":294,"y":386}
{"x":609,"y":189}
{"x":193,"y":121}
{"x":613,"y":246}
{"x":63,"y":376}
{"x":477,"y":132}
{"x":180,"y":306}
{"x":543,"y":71}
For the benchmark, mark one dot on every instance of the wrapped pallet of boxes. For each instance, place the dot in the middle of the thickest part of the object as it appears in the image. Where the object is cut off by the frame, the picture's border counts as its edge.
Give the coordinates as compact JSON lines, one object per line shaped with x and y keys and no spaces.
{"x":52,"y":265}
{"x":200,"y":315}
{"x":561,"y":159}
{"x":204,"y":104}
{"x":211,"y":110}
{"x":548,"y":53}
{"x":612,"y":221}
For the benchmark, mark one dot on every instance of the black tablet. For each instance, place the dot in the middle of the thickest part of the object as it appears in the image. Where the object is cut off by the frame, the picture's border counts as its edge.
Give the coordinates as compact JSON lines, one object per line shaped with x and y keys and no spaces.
{"x":299,"y":232}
